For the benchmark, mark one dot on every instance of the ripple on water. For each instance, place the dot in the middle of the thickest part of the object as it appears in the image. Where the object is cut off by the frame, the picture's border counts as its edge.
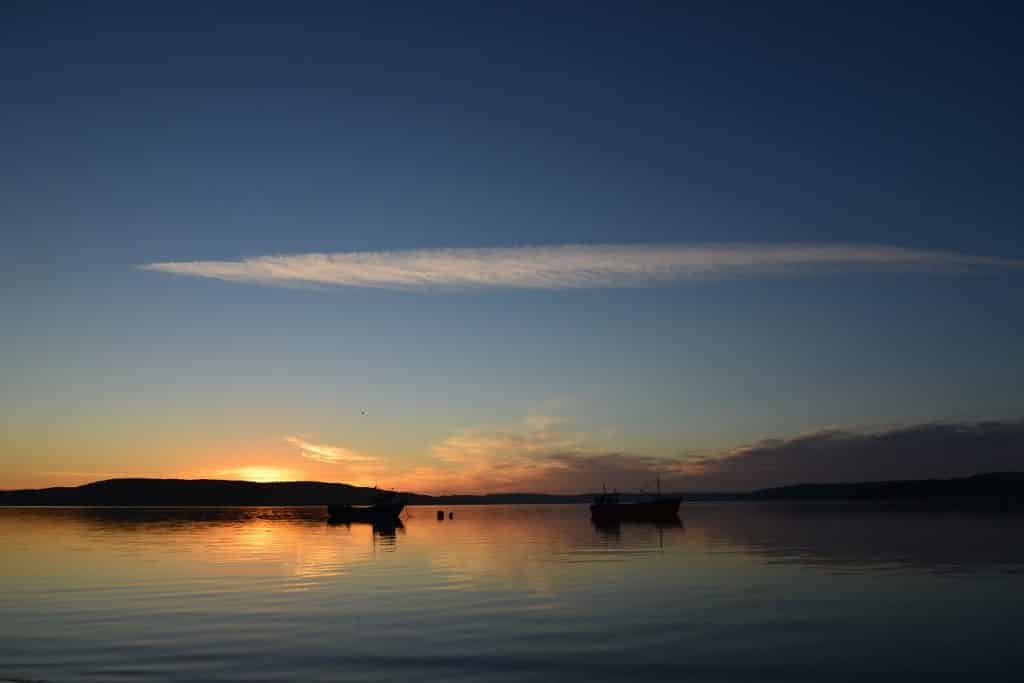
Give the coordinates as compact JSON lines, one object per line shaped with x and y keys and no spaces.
{"x":739,"y":592}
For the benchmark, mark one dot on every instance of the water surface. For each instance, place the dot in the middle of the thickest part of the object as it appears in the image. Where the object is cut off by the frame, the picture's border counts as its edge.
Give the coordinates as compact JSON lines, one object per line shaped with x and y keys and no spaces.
{"x":738,"y":592}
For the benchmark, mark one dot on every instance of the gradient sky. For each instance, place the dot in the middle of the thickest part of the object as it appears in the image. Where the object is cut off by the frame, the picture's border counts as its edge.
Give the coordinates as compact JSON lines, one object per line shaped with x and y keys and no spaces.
{"x":146,"y":151}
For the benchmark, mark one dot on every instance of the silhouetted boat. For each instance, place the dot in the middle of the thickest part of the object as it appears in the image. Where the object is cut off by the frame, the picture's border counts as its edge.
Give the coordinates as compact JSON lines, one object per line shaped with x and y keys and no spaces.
{"x":375,"y":514}
{"x":607,"y":508}
{"x":385,"y":510}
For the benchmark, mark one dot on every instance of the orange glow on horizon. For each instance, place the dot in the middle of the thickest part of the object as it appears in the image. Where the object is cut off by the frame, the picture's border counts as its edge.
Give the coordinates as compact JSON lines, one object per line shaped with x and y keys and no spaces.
{"x":261,"y":474}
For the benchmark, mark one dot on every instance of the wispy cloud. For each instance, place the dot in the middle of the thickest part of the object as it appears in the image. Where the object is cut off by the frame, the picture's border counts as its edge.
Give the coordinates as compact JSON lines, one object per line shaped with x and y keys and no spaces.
{"x":325,"y":453}
{"x":567,"y":266}
{"x":543,"y":453}
{"x":540,"y":434}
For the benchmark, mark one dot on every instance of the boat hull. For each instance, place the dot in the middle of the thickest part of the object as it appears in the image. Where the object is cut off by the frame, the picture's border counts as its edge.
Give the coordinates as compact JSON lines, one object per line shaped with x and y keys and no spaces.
{"x":661,"y":510}
{"x":377,"y":514}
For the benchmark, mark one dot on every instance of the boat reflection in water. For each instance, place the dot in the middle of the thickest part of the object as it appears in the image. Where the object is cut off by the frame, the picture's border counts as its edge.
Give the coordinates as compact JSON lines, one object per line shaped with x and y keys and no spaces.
{"x":748,"y":590}
{"x":386,"y":531}
{"x":612,"y":529}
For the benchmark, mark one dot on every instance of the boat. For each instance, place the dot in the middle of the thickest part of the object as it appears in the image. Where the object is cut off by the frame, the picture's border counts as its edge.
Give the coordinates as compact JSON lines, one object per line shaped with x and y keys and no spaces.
{"x":608,"y":508}
{"x":386,"y":509}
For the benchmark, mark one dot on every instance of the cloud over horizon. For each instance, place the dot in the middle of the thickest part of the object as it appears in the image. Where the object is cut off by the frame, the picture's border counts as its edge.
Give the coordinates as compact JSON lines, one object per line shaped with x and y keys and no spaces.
{"x":547,"y":459}
{"x":567,"y":266}
{"x":923,"y":451}
{"x":328,"y":454}
{"x":546,"y":456}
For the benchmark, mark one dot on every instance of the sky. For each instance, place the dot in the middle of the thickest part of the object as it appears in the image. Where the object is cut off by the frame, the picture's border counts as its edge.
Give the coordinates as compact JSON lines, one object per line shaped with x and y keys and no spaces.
{"x":480,"y":247}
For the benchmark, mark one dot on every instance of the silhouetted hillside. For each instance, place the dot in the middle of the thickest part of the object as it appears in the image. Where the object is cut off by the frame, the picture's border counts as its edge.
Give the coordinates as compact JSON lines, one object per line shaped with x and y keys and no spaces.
{"x":187,"y":492}
{"x":996,"y":485}
{"x":1003,"y":487}
{"x":137,"y":492}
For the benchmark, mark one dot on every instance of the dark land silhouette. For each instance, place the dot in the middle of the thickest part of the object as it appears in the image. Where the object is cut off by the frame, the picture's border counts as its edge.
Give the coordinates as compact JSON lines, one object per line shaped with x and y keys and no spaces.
{"x":997,"y":485}
{"x":997,"y":488}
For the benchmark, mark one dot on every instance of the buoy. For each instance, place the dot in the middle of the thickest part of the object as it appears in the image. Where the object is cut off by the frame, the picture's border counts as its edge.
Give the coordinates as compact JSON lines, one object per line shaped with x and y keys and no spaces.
{"x":440,"y":515}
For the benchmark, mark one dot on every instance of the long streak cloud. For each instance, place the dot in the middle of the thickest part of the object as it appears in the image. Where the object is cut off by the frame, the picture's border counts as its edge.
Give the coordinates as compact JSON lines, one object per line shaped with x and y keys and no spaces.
{"x":568,"y":266}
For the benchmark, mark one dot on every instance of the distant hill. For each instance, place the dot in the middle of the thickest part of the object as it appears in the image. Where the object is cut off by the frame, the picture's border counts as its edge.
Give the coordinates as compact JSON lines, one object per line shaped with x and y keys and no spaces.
{"x":194,"y":492}
{"x":999,"y":486}
{"x":140,"y":492}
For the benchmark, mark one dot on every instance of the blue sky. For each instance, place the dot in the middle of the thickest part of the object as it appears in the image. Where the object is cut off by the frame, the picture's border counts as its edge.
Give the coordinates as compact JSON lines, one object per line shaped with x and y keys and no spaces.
{"x":218,"y":132}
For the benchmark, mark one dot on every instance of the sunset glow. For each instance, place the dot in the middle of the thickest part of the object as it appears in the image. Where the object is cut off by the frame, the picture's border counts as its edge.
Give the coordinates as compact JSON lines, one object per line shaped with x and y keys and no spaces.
{"x":486,"y":341}
{"x":260,"y":474}
{"x":455,"y":259}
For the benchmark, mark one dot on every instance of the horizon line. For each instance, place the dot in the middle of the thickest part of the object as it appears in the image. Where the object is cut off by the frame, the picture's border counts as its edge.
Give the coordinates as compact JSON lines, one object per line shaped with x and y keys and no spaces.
{"x":514,"y":493}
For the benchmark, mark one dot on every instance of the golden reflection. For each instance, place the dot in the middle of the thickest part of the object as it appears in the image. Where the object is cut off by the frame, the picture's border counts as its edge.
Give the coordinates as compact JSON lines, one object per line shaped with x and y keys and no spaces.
{"x":525,"y":547}
{"x":256,"y":537}
{"x":547,"y":552}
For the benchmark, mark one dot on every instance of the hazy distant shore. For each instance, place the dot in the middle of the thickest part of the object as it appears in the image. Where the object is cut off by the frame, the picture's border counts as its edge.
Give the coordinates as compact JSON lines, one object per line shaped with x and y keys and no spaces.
{"x":1003,"y":488}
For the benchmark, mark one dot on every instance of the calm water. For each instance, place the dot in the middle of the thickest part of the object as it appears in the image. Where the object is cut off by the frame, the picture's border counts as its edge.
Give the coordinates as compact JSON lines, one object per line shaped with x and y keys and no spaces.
{"x":740,"y":592}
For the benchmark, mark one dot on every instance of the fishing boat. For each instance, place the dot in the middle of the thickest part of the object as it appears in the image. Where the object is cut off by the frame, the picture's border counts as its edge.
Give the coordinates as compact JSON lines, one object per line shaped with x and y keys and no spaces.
{"x":608,"y":507}
{"x":385,"y":509}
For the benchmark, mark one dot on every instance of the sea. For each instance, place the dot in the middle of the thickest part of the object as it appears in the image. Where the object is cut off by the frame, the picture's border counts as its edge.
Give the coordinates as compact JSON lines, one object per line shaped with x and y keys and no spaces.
{"x":738,"y":591}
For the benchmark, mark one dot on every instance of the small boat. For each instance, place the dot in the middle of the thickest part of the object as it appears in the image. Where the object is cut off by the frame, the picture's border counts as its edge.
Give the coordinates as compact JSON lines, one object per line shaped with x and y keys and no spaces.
{"x":385,"y":510}
{"x":607,"y":507}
